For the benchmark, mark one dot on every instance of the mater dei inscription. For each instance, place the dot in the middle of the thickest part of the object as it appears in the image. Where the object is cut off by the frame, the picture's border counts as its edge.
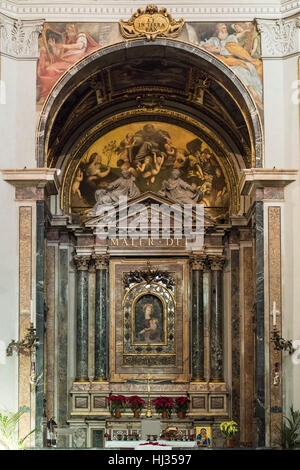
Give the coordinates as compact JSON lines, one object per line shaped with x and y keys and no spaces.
{"x":147,"y":242}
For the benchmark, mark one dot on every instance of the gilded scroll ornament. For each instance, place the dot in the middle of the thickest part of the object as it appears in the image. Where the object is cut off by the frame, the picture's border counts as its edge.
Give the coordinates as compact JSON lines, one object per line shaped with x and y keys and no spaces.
{"x":151,"y":23}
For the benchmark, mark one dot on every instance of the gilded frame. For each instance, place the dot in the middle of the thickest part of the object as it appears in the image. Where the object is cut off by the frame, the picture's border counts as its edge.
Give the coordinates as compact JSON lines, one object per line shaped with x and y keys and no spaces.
{"x":133,"y":318}
{"x":178,"y":373}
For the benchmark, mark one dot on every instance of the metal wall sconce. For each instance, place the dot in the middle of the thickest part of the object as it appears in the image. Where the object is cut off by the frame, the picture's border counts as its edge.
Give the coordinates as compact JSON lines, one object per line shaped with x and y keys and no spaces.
{"x":281,"y":344}
{"x":29,"y":342}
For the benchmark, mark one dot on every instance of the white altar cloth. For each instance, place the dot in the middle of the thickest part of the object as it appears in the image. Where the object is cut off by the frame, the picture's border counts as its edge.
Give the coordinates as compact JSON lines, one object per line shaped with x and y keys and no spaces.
{"x":166,"y":445}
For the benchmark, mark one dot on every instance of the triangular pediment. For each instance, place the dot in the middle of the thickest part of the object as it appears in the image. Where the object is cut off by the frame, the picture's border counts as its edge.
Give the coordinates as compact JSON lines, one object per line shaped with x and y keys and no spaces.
{"x":151,"y":201}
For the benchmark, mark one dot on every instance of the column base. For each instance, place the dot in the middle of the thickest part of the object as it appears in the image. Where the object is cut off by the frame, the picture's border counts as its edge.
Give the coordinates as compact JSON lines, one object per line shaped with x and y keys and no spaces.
{"x":100,"y":379}
{"x":197,"y":379}
{"x":82,"y":379}
{"x":217,"y":380}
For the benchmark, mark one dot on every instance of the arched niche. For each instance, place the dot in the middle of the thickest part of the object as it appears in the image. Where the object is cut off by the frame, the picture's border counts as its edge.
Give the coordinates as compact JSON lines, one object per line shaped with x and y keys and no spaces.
{"x":56,"y":148}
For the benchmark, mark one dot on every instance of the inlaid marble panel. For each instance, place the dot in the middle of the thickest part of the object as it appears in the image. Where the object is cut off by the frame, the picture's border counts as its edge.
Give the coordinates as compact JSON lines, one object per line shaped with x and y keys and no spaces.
{"x":274,"y":216}
{"x":25,"y":293}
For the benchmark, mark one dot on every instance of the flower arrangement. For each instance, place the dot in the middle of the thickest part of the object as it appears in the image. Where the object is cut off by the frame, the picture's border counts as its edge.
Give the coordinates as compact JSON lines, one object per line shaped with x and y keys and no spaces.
{"x":163,"y":405}
{"x":229,"y":429}
{"x":182,"y":404}
{"x":116,"y":403}
{"x":136,"y":403}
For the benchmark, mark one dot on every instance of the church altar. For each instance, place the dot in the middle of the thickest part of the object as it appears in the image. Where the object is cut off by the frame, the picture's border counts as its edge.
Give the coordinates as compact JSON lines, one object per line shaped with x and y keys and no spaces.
{"x":146,"y":445}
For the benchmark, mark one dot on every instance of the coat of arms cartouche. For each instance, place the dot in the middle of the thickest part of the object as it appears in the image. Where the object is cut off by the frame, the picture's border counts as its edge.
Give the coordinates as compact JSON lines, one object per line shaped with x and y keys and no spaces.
{"x":151,"y":23}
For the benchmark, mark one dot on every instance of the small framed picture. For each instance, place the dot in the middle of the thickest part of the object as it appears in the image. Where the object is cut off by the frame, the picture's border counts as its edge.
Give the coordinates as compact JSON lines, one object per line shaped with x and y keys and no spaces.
{"x":203,"y":436}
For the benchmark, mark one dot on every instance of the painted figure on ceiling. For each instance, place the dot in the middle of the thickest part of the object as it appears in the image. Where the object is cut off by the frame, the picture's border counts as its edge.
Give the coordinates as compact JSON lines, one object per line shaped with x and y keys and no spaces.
{"x":58,"y":53}
{"x":227,"y":48}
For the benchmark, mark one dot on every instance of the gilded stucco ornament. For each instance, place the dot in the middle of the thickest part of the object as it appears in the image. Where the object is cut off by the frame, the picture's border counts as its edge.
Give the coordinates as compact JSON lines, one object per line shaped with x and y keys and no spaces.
{"x":151,"y":23}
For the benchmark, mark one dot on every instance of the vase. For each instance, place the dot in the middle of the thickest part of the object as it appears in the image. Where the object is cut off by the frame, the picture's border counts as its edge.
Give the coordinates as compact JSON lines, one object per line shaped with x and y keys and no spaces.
{"x":230,"y":443}
{"x":164,"y":414}
{"x":181,"y":414}
{"x":136,"y":414}
{"x":117,"y":414}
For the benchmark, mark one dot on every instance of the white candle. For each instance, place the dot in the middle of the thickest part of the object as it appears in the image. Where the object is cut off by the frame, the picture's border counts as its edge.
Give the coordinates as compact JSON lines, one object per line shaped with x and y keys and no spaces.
{"x":274,"y":313}
{"x":31,"y":311}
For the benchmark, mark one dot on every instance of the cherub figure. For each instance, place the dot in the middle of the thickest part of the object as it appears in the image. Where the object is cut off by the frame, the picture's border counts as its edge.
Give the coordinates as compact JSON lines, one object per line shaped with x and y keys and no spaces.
{"x":76,"y":184}
{"x":158,"y":163}
{"x":146,"y":169}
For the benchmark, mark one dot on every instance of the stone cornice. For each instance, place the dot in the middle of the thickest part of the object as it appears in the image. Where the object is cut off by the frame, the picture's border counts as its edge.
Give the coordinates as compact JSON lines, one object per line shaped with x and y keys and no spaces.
{"x":34,"y":177}
{"x":192,"y":10}
{"x":264,"y":177}
{"x":19,"y":37}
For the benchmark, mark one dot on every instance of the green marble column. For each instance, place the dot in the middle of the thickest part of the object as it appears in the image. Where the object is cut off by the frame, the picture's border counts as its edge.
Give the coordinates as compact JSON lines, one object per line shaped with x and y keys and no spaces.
{"x":198,"y":265}
{"x":82,"y":263}
{"x":101,"y":327}
{"x":216,"y":320}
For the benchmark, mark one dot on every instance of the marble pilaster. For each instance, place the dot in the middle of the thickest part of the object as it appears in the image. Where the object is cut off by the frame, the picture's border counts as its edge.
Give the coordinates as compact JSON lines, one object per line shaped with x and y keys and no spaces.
{"x":266,"y":187}
{"x":32,"y":186}
{"x":235,"y":321}
{"x":198,"y":265}
{"x":260,"y":326}
{"x":50,"y":327}
{"x":247,"y":342}
{"x":62,"y":334}
{"x":82,"y":263}
{"x":216,"y":320}
{"x":101,"y":312}
{"x":40,"y":321}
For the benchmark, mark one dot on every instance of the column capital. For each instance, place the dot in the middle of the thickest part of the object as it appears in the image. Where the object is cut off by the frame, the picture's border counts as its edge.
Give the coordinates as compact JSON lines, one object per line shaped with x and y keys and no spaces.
{"x":216,"y":262}
{"x":82,"y":262}
{"x":19,"y":38}
{"x":101,"y":261}
{"x":279,"y":37}
{"x":198,"y":262}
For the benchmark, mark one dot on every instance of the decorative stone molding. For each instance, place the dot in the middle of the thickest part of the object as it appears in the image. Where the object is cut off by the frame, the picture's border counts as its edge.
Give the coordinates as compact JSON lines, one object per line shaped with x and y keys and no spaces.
{"x":279,"y":37}
{"x":112,"y":11}
{"x":253,"y":178}
{"x":101,"y":261}
{"x":198,"y":262}
{"x":216,"y":262}
{"x":82,"y":262}
{"x":19,"y":38}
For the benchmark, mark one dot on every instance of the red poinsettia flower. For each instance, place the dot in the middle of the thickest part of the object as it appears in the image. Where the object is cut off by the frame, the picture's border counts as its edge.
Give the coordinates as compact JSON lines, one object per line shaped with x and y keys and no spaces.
{"x":163,"y":404}
{"x":136,"y":403}
{"x":182,"y":403}
{"x":116,"y":402}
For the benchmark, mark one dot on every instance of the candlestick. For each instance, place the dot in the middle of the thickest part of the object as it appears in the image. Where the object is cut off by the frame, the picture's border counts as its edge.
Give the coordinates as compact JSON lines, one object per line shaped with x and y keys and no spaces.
{"x":31,"y":310}
{"x":149,"y":412}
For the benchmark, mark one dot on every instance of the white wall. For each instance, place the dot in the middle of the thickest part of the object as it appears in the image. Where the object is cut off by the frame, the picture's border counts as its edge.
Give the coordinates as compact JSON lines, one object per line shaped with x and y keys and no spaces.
{"x":17,"y":149}
{"x":282,"y":151}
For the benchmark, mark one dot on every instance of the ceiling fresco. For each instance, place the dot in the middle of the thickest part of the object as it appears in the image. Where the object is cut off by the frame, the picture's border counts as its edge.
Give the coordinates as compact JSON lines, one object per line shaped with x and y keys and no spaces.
{"x":61,"y":45}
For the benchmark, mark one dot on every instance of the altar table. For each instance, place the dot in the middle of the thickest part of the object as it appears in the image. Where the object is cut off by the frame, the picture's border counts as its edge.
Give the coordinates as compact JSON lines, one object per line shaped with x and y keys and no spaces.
{"x":138,"y":445}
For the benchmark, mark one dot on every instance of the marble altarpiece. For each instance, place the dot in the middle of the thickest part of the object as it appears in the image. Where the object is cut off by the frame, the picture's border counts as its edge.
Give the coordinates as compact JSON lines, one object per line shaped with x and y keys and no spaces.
{"x":190,"y":132}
